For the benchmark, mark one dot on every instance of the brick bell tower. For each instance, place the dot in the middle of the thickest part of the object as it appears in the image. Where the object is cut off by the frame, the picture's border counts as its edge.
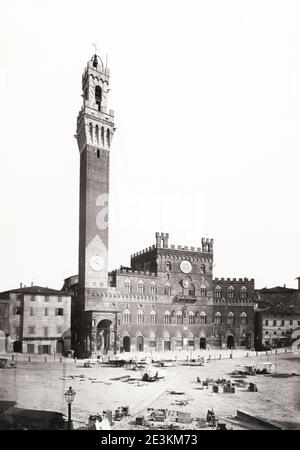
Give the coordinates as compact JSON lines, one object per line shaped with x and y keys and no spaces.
{"x":95,"y":129}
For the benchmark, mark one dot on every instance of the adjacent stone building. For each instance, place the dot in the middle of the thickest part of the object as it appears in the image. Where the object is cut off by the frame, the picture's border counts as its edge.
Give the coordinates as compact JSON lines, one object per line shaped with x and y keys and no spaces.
{"x":37,"y":320}
{"x":274,"y":326}
{"x":167,"y":299}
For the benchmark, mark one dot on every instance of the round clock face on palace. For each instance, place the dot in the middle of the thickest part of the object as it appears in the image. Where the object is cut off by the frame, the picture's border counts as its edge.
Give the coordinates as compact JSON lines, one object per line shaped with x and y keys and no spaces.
{"x":186,"y":266}
{"x":97,"y":263}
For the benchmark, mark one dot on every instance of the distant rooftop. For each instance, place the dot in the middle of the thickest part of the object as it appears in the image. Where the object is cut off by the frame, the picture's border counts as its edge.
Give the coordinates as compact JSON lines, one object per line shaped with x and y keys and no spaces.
{"x":36,"y":290}
{"x":277,"y":289}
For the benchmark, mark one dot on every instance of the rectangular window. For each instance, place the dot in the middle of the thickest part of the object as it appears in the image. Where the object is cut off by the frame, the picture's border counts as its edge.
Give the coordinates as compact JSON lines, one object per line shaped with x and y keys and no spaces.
{"x":282,"y":323}
{"x":298,"y":323}
{"x":46,"y":311}
{"x":59,"y":298}
{"x":17,"y":311}
{"x":1,"y":311}
{"x":274,"y":323}
{"x":291,"y":322}
{"x":45,"y":331}
{"x":32,"y":311}
{"x":31,"y":330}
{"x":59,"y":330}
{"x":59,"y":311}
{"x":32,"y":298}
{"x":266,"y":323}
{"x":17,"y":331}
{"x":46,"y":298}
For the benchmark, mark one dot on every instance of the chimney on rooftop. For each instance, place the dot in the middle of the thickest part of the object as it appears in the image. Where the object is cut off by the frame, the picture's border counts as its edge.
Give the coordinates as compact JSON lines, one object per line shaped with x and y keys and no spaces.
{"x":298,"y":278}
{"x":32,"y":283}
{"x":21,"y":285}
{"x":284,"y":285}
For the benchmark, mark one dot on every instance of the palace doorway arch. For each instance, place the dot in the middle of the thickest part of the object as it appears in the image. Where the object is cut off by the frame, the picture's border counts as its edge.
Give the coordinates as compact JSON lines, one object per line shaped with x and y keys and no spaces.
{"x":60,"y":346}
{"x":203,"y":343}
{"x":126,"y":343}
{"x":140,"y":344}
{"x":230,"y":341}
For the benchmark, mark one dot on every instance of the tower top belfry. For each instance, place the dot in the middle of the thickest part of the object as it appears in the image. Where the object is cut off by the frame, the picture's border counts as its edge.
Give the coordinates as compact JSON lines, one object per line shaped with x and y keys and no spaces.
{"x":95,"y":122}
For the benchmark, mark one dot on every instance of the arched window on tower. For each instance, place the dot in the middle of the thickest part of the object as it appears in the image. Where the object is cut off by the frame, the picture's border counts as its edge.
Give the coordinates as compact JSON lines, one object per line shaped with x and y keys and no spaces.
{"x":203,"y":318}
{"x":102,"y":136}
{"x":108,"y":137}
{"x":98,"y":97}
{"x":218,"y":318}
{"x":97,"y":134}
{"x":243,"y":318}
{"x":91,"y":131}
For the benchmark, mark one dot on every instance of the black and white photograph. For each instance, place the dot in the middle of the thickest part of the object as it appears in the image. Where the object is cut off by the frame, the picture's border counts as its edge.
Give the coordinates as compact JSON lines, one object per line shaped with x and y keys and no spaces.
{"x":149,"y":233}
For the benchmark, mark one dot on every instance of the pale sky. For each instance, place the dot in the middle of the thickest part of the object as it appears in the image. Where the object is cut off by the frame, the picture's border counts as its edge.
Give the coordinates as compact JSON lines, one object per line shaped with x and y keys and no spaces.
{"x":207,"y":107}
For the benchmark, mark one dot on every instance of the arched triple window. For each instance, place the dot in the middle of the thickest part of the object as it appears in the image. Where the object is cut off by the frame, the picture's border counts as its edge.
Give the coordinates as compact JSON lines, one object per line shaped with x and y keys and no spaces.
{"x":230,"y":292}
{"x":243,"y":292}
{"x":167,"y":288}
{"x":127,"y":286}
{"x":218,"y":318}
{"x":179,"y":318}
{"x":141,"y":287}
{"x":218,"y":292}
{"x":98,"y":97}
{"x":152,"y":317}
{"x":152,"y":288}
{"x":203,"y":318}
{"x":243,"y":318}
{"x":203,"y":291}
{"x":191,"y":317}
{"x":230,"y":319}
{"x":167,"y":317}
{"x":126,"y":316}
{"x":140,"y":316}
